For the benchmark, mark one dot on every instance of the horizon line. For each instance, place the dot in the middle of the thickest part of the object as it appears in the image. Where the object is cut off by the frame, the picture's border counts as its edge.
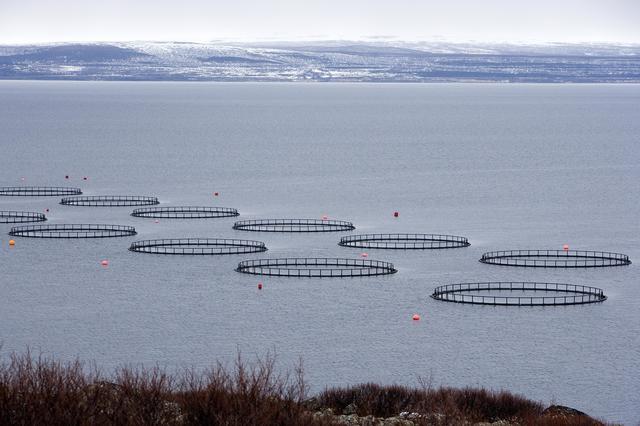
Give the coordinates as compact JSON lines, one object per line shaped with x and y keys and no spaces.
{"x":369,"y":40}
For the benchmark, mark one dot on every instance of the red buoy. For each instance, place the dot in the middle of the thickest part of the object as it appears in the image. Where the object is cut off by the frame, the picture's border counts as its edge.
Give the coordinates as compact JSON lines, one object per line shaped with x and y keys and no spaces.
{"x":565,"y":247}
{"x":396,"y":214}
{"x":216,"y":194}
{"x":156,"y":221}
{"x":365,"y":255}
{"x":105,"y":263}
{"x":259,"y":286}
{"x":66,"y":176}
{"x":46,"y":210}
{"x":325,"y":217}
{"x":84,"y":178}
{"x":415,"y":317}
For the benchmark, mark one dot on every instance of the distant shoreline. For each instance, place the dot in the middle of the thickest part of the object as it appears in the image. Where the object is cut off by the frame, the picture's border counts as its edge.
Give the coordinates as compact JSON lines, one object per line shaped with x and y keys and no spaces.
{"x":333,"y":82}
{"x":323,"y":62}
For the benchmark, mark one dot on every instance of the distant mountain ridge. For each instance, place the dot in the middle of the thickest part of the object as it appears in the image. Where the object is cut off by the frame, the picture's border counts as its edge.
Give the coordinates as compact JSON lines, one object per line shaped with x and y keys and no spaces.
{"x":322,"y":61}
{"x":74,"y":52}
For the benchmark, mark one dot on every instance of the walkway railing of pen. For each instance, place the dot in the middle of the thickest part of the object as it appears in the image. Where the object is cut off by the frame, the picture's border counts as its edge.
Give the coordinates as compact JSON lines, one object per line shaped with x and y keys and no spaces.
{"x":72,"y":231}
{"x":293,"y":225}
{"x":110,"y":201}
{"x":185,"y":212}
{"x":198,"y":246}
{"x":404,"y":241}
{"x":316,"y":267}
{"x":580,"y":294}
{"x":21,"y":217}
{"x":38,"y":191}
{"x":555,"y":258}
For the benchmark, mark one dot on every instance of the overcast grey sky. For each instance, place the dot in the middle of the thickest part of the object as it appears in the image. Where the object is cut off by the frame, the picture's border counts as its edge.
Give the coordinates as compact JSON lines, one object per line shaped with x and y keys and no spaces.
{"x":201,"y":20}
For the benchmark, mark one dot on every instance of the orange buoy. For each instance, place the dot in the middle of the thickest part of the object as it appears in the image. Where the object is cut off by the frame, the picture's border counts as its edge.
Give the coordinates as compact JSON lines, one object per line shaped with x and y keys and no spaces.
{"x":259,"y":286}
{"x":565,"y":247}
{"x":415,"y":317}
{"x":105,"y":263}
{"x":396,"y":214}
{"x":12,"y":243}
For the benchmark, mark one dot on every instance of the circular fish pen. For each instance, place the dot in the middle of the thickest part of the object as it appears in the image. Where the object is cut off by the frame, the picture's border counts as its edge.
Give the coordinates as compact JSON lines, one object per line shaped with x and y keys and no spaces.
{"x":555,"y":258}
{"x":560,"y":294}
{"x":38,"y":191}
{"x":316,"y":267}
{"x":404,"y":241}
{"x":186,"y":212}
{"x":293,"y":225}
{"x":110,"y":201}
{"x":72,"y":231}
{"x":21,"y":217}
{"x":198,"y":246}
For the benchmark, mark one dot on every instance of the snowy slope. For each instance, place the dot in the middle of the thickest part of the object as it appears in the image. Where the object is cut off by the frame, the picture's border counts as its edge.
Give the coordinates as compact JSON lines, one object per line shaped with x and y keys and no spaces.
{"x":322,"y":61}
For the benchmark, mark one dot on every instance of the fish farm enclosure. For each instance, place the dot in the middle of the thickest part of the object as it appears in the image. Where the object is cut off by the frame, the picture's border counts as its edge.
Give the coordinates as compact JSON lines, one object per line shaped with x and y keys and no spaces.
{"x":38,"y":191}
{"x":187,"y":212}
{"x":404,"y":241}
{"x":555,"y":258}
{"x":198,"y":246}
{"x":72,"y":231}
{"x":21,"y":217}
{"x":316,"y":267}
{"x":566,"y":294}
{"x":110,"y":201}
{"x":294,"y":225}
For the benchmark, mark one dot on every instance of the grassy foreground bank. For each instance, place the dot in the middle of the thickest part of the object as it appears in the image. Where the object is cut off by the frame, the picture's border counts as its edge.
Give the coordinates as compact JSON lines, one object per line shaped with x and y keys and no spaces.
{"x":44,"y":391}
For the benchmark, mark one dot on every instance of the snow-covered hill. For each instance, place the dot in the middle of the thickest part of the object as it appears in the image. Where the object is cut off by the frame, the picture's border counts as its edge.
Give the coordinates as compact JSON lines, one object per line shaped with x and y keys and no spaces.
{"x":322,"y":61}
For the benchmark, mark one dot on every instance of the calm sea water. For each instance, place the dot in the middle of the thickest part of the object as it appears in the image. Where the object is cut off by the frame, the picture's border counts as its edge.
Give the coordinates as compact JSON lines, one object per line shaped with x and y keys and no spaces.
{"x":508,"y":166}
